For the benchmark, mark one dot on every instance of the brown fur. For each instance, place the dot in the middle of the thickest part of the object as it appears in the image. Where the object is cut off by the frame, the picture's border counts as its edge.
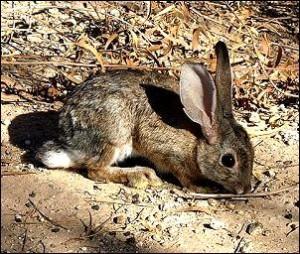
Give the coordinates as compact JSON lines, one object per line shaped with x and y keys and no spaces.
{"x":109,"y":114}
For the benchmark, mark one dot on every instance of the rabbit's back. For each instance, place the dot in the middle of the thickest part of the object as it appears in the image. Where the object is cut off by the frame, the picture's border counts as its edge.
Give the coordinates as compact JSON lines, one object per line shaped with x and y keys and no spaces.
{"x":134,"y":112}
{"x":110,"y":108}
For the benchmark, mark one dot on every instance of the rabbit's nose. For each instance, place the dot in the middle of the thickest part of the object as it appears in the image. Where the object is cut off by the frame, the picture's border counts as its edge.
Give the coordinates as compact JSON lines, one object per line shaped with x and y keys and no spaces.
{"x":242,"y":189}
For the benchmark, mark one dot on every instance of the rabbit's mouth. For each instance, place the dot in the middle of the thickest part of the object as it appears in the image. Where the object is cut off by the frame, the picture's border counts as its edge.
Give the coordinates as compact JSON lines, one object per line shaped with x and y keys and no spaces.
{"x":239,"y":188}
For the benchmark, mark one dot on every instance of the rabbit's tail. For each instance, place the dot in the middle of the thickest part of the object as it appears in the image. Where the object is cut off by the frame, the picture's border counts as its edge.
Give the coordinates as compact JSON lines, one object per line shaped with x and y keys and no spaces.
{"x":53,"y":155}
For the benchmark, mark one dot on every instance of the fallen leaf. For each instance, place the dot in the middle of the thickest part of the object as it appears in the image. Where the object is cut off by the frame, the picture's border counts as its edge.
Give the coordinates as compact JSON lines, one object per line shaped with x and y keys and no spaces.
{"x":84,"y":43}
{"x":110,"y":40}
{"x":195,"y":40}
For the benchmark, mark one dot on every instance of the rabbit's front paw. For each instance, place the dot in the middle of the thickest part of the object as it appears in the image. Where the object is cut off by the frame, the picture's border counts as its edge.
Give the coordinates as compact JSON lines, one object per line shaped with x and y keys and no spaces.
{"x":141,"y":178}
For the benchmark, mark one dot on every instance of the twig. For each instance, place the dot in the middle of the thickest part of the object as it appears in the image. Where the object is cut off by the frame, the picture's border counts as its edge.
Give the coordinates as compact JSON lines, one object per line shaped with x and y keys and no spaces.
{"x":242,"y":229}
{"x":138,"y":215}
{"x":18,"y":173}
{"x":90,"y":231}
{"x":239,"y":245}
{"x":119,"y":203}
{"x":292,"y":230}
{"x":235,"y":196}
{"x":24,"y":240}
{"x":45,"y":216}
{"x":43,"y":245}
{"x":190,"y":209}
{"x":257,"y":184}
{"x":88,"y":228}
{"x":241,"y":235}
{"x":258,"y":143}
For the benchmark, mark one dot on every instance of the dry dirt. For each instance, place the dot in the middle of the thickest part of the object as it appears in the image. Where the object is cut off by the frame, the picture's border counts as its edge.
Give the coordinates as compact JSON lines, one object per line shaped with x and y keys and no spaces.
{"x":59,"y":211}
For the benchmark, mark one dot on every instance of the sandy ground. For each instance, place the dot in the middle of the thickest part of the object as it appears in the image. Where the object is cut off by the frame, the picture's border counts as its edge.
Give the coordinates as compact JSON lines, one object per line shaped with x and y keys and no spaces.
{"x":59,"y":211}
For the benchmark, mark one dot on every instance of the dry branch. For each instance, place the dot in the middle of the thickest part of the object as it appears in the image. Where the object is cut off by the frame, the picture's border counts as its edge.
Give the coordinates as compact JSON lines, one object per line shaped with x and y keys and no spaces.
{"x":243,"y":196}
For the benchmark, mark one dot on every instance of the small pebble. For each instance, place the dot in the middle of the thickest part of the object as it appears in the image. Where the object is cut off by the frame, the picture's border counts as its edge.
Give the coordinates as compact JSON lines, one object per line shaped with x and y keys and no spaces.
{"x":254,"y":117}
{"x":40,"y":218}
{"x":32,"y":194}
{"x":95,"y":207}
{"x":30,"y":166}
{"x":136,"y":198}
{"x":254,"y":228}
{"x":230,"y":206}
{"x":294,"y":226}
{"x":269,"y":173}
{"x":83,"y":248}
{"x":96,"y":187}
{"x":159,"y":227}
{"x":215,"y":224}
{"x":155,"y":238}
{"x":28,"y":204}
{"x":18,"y":218}
{"x":55,"y":230}
{"x":288,"y":216}
{"x":266,"y":232}
{"x":179,"y":199}
{"x":162,"y":242}
{"x":40,"y":169}
{"x":121,"y":219}
{"x":213,"y":202}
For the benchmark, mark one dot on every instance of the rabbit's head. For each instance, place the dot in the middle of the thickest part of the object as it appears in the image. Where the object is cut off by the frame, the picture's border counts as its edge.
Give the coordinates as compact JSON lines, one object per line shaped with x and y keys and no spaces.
{"x":227,"y":155}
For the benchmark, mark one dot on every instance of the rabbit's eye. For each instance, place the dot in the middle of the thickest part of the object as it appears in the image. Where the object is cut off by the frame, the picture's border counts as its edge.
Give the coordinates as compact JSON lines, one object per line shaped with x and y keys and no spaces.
{"x":228,"y":160}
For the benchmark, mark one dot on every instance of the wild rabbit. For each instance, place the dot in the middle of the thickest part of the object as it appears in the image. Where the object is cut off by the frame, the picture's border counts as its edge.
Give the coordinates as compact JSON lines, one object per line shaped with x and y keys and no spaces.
{"x":186,"y":128}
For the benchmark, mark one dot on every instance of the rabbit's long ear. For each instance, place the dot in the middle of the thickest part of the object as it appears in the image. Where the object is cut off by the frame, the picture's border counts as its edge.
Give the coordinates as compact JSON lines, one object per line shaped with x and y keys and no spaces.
{"x":224,"y":79}
{"x":199,"y":97}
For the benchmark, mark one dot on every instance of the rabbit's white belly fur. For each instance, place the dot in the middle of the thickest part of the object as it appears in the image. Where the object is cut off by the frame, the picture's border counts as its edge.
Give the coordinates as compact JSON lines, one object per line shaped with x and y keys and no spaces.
{"x":61,"y":158}
{"x":57,"y":159}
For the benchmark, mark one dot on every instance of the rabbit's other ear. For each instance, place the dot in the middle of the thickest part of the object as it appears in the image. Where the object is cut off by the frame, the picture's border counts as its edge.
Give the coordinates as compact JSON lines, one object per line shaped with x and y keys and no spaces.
{"x":224,"y":79}
{"x":199,"y":97}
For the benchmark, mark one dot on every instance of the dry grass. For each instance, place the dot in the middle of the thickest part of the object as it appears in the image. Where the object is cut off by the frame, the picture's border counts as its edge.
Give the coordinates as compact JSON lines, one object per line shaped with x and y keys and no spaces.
{"x":50,"y":46}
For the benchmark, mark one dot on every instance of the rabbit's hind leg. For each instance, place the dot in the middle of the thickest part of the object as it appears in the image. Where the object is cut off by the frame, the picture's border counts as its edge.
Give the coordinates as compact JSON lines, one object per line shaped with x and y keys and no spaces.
{"x":101,"y":169}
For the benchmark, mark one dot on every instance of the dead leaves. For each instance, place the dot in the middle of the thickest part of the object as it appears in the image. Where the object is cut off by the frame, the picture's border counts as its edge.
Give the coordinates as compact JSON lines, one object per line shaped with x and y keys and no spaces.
{"x":110,"y":39}
{"x":163,"y":35}
{"x":195,"y":40}
{"x":86,"y":44}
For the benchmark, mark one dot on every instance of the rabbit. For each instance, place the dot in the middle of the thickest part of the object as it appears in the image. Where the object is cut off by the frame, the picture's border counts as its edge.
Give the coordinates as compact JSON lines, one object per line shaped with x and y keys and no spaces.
{"x":186,"y":128}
